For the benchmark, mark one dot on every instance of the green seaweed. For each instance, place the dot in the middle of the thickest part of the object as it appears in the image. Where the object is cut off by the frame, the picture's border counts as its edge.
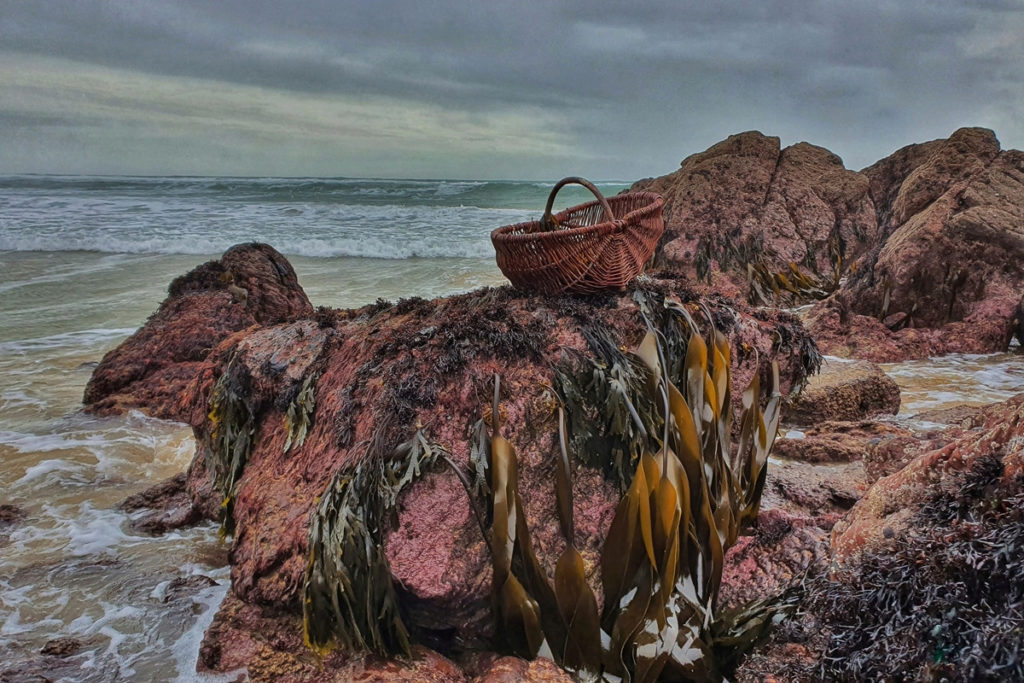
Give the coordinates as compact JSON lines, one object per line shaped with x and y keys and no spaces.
{"x":299,"y":417}
{"x":230,"y":440}
{"x":348,"y":595}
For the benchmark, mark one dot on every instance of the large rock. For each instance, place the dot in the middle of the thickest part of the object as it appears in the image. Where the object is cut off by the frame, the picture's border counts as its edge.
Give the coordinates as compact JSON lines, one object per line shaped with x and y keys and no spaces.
{"x":376,"y":375}
{"x":383,"y":369}
{"x":747,"y":201}
{"x":844,"y":391}
{"x":251,"y":284}
{"x":928,"y":242}
{"x":950,"y":272}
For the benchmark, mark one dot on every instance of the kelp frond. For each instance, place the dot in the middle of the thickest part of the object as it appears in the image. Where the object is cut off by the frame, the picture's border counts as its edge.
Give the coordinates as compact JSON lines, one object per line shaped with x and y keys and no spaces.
{"x":348,"y":595}
{"x":662,"y":563}
{"x":299,"y":417}
{"x":230,"y":442}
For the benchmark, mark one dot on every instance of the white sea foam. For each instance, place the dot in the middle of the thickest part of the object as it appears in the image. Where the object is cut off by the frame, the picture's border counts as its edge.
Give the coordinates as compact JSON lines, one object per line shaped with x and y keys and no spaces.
{"x":65,"y":340}
{"x":186,"y":648}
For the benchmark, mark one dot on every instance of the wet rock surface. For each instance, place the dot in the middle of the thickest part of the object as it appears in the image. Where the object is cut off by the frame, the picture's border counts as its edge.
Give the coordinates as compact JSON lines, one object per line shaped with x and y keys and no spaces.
{"x":162,"y":508}
{"x":61,"y":647}
{"x":9,"y":514}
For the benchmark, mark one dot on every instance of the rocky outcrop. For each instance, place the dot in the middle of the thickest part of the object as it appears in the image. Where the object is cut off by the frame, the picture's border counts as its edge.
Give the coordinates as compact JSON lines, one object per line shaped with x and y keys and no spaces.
{"x":950,"y":271}
{"x":251,"y":284}
{"x":279,"y":409}
{"x":928,"y":242}
{"x":844,"y":391}
{"x":886,"y":510}
{"x":747,"y":201}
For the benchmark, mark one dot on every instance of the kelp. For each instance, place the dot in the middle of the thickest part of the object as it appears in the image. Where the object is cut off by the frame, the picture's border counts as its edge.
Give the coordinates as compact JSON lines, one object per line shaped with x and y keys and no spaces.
{"x":577,"y":604}
{"x":686,"y":502}
{"x":792,"y":286}
{"x":522,"y":594}
{"x":609,"y":412}
{"x":348,"y":595}
{"x":657,"y":418}
{"x":299,"y":416}
{"x":230,"y":441}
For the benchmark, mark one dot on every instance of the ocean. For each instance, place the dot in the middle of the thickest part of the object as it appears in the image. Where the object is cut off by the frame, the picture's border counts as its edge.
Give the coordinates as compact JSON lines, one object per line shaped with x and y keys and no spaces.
{"x":84,"y":261}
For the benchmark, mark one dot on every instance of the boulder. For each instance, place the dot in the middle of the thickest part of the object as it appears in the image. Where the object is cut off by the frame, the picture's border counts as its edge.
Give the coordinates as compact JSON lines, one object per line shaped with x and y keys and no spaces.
{"x":746,"y":202}
{"x":383,"y":369}
{"x":949,"y":272}
{"x":163,"y":507}
{"x":305,"y":399}
{"x":10,"y":514}
{"x":844,"y":391}
{"x":251,"y":284}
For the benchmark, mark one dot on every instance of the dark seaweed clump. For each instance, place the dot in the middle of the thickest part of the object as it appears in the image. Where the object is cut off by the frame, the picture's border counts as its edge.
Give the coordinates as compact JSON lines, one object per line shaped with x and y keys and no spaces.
{"x":946,"y":603}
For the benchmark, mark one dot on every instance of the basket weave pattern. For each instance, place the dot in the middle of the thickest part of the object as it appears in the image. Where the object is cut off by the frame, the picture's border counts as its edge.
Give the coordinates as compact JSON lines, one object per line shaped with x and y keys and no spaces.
{"x":588,"y":251}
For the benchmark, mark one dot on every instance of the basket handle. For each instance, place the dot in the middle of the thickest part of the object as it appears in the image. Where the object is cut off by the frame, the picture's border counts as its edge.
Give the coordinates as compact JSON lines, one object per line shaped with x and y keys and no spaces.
{"x":548,"y":222}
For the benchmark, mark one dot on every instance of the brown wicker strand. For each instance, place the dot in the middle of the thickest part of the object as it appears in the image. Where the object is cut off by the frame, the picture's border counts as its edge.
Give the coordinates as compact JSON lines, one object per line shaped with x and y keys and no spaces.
{"x":584,"y":248}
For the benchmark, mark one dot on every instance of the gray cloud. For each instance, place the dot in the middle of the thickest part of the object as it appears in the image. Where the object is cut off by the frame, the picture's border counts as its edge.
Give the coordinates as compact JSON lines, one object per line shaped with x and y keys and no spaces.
{"x":490,"y":89}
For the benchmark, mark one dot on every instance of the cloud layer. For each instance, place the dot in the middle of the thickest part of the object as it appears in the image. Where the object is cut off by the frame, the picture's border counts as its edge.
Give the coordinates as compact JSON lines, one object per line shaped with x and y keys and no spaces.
{"x":502,"y":89}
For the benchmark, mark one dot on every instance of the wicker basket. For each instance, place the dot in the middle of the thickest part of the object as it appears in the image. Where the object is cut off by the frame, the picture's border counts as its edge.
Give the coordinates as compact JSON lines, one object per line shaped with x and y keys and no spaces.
{"x":584,"y":248}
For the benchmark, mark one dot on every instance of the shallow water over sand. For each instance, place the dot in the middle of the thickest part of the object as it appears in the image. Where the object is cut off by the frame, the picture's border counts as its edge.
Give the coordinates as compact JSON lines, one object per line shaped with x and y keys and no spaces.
{"x":956,"y":379}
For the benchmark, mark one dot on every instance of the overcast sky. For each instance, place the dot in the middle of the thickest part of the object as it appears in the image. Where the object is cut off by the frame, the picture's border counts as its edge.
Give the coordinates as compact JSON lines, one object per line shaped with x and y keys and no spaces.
{"x":489,"y":89}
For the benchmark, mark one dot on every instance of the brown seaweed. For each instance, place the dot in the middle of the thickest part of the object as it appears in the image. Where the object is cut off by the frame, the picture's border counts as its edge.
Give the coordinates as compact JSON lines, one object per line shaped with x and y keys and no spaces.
{"x":348,"y":595}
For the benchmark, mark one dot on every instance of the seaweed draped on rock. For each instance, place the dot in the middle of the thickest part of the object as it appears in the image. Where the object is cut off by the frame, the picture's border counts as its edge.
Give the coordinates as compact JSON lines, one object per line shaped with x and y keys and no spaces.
{"x":281,"y":411}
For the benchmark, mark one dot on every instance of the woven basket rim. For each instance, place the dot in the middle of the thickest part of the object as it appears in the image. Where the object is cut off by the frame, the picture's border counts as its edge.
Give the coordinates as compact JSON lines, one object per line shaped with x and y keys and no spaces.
{"x":504,"y":233}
